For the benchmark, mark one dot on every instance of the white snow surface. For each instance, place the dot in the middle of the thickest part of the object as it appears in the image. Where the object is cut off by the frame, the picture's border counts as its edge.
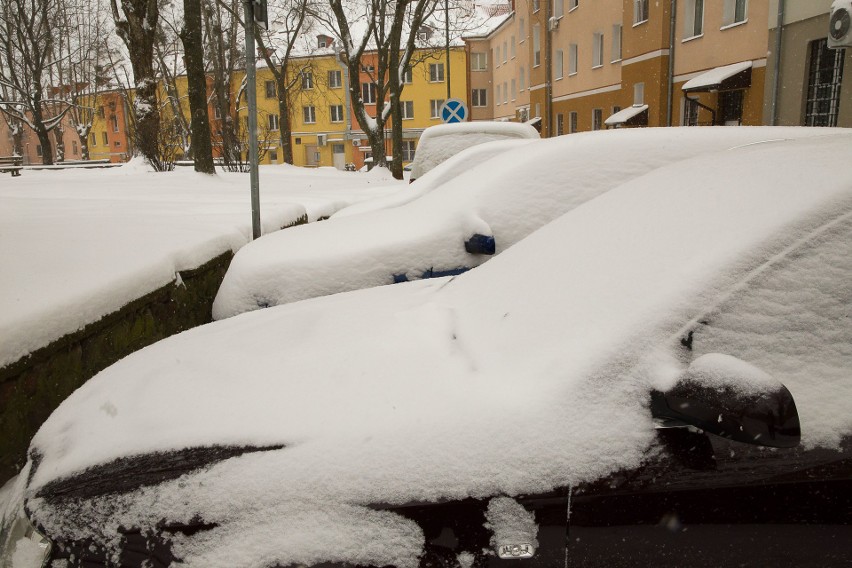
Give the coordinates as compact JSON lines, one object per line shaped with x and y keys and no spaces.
{"x":442,"y":141}
{"x":528,"y":373}
{"x":716,"y":76}
{"x":76,"y":245}
{"x":505,"y":196}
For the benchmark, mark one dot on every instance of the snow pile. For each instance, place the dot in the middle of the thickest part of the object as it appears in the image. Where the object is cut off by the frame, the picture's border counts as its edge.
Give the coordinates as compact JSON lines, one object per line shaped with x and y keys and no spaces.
{"x":76,"y":245}
{"x":529,"y":373}
{"x":440,"y":142}
{"x":510,"y":523}
{"x":506,"y":198}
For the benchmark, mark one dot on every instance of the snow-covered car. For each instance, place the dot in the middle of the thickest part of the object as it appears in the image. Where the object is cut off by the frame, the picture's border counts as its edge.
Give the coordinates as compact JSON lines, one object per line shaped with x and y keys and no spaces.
{"x":443,"y":141}
{"x":615,"y":390}
{"x":457,"y":220}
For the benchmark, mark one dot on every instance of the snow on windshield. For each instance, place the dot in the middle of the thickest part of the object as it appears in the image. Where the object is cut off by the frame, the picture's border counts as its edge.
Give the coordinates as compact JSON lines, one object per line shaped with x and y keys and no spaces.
{"x":76,"y":245}
{"x":528,"y":373}
{"x":508,"y":199}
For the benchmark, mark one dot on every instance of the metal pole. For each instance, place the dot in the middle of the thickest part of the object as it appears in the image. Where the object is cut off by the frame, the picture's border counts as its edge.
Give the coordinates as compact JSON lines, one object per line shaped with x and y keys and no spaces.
{"x":776,"y":77}
{"x":447,"y":38}
{"x":252,"y":119}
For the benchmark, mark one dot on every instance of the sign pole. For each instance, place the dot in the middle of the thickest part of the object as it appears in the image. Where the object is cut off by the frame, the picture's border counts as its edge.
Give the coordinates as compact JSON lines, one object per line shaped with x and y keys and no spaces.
{"x":252,"y":118}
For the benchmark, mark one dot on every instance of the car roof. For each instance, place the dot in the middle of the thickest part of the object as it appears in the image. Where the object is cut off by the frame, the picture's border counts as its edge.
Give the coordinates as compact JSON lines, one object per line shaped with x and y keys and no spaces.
{"x":527,"y":373}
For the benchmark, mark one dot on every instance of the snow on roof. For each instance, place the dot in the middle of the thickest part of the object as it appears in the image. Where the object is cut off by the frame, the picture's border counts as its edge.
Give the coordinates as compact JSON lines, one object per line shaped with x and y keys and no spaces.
{"x":715,"y":77}
{"x":78,"y":245}
{"x":528,"y":373}
{"x":625,"y":114}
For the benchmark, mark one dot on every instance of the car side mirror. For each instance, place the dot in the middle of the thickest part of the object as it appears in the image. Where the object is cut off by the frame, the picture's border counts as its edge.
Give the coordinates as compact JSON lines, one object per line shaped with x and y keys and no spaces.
{"x":733,"y":399}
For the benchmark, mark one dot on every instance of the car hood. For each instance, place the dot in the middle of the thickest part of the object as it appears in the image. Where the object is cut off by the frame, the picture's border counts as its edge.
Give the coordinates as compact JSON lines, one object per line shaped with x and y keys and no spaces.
{"x":530,"y":372}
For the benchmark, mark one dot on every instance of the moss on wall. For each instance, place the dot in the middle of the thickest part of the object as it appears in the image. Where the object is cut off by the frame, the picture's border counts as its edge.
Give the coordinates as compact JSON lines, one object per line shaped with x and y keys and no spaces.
{"x":31,"y":388}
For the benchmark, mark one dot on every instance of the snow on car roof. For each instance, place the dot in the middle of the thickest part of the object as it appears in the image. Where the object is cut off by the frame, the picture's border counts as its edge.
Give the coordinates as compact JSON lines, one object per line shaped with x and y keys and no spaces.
{"x":527,"y":373}
{"x":507,"y":197}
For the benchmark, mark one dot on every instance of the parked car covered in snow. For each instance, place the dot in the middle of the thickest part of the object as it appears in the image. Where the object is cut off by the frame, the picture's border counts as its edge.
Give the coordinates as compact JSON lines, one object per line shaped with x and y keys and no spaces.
{"x":443,"y":141}
{"x":460,"y":219}
{"x":660,"y":376}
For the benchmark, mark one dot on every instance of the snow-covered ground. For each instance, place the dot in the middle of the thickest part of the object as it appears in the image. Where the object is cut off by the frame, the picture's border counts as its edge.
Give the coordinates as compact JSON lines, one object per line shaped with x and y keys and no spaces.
{"x":76,"y":245}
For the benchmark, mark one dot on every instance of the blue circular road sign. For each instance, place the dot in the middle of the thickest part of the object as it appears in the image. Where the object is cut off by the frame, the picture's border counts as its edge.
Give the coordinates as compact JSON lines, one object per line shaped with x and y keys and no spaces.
{"x":454,"y":110}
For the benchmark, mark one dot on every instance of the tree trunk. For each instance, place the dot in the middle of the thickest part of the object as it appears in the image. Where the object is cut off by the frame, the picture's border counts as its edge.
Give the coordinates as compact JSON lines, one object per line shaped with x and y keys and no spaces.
{"x":285,"y":123}
{"x":59,"y":136}
{"x":202,"y":147}
{"x":46,"y":147}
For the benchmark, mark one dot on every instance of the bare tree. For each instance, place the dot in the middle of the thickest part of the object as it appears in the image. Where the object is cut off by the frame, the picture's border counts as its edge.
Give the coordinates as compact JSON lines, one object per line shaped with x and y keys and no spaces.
{"x":28,"y":29}
{"x":292,"y":19}
{"x":136,"y":25}
{"x":222,"y":28}
{"x":192,"y":38}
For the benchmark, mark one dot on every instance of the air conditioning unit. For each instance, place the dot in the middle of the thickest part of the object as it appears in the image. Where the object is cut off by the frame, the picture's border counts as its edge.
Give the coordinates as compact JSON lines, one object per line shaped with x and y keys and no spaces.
{"x":322,"y":139}
{"x":840,"y":24}
{"x":356,"y":142}
{"x":552,"y":23}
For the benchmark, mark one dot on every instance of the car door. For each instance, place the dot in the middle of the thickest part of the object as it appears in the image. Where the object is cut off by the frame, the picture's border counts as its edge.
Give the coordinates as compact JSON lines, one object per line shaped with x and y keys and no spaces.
{"x":707,"y":501}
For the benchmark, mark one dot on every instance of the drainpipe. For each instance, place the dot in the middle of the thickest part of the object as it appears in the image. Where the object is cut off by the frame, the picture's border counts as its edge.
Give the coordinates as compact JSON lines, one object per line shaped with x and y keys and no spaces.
{"x":672,"y":28}
{"x":776,"y":78}
{"x":548,"y":68}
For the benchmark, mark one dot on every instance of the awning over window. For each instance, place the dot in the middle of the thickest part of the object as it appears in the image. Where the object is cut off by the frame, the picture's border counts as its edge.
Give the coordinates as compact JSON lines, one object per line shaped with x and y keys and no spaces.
{"x":632,"y":116}
{"x":729,"y":77}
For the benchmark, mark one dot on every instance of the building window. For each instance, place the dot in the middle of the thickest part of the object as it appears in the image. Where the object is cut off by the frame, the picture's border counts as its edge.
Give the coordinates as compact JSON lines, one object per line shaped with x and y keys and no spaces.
{"x":597,"y":119}
{"x":435,"y":107}
{"x":309,"y":114}
{"x":479,"y":97}
{"x":407,"y":150}
{"x":616,"y":42}
{"x":74,"y":147}
{"x":560,"y":124}
{"x":690,"y":112}
{"x":407,"y":76}
{"x":735,"y":12}
{"x":573,"y":4}
{"x":336,"y":112}
{"x":101,"y":112}
{"x":694,"y":18}
{"x":272,"y":121}
{"x":335,"y":79}
{"x":572,"y":59}
{"x":572,"y":122}
{"x":273,"y":155}
{"x":479,"y":61}
{"x":407,"y":109}
{"x":307,"y":80}
{"x":270,"y":89}
{"x":558,"y":70}
{"x":38,"y":150}
{"x":640,"y":11}
{"x":105,"y":139}
{"x":523,"y":79}
{"x":536,"y":45}
{"x":522,"y":30}
{"x":369,"y":69}
{"x":825,"y":73}
{"x":514,"y":89}
{"x":536,"y":5}
{"x":505,"y":93}
{"x":497,"y":94}
{"x":217,"y":112}
{"x":597,"y":50}
{"x":368,"y":93}
{"x":639,"y":93}
{"x":558,"y":8}
{"x":93,"y":139}
{"x":537,"y":110}
{"x":731,"y":107}
{"x":505,"y":53}
{"x":436,"y":72}
{"x":514,"y":48}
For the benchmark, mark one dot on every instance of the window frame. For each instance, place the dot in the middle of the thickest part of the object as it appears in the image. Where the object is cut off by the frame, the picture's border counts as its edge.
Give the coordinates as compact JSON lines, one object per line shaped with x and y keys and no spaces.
{"x":436,"y":70}
{"x":309,"y":112}
{"x":641,"y":11}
